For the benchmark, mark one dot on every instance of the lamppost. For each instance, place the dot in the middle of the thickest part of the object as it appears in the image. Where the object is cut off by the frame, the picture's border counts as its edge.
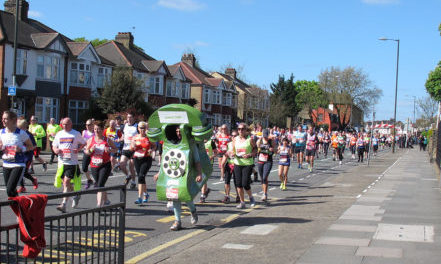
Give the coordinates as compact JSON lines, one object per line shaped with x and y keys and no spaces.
{"x":396,"y":89}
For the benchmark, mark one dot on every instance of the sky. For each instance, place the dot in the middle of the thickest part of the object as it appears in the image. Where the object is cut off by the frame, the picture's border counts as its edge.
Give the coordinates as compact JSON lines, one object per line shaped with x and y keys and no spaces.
{"x":271,"y":38}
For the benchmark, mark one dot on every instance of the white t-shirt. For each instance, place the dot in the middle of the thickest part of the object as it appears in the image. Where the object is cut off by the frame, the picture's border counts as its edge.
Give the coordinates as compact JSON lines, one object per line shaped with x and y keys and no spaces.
{"x":68,"y":143}
{"x":18,"y":138}
{"x":129,"y":132}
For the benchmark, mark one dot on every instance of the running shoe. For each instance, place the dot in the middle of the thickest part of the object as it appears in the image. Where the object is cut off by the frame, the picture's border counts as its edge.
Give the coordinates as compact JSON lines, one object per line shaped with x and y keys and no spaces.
{"x":170,"y":206}
{"x":299,"y":166}
{"x":194,"y":217}
{"x":22,"y":189}
{"x":88,"y":184}
{"x":264,"y":197}
{"x":310,"y":169}
{"x":35,"y":182}
{"x":237,"y":199}
{"x":44,"y":166}
{"x":202,"y":199}
{"x":340,"y":162}
{"x":284,"y":187}
{"x":252,"y":202}
{"x":62,"y":208}
{"x":176,"y":226}
{"x":127,"y":180}
{"x":132,"y":185}
{"x":241,"y":205}
{"x":226,"y":200}
{"x":76,"y":201}
{"x":138,"y":201}
{"x":281,"y":186}
{"x":107,"y":202}
{"x":146,"y":198}
{"x":207,"y":192}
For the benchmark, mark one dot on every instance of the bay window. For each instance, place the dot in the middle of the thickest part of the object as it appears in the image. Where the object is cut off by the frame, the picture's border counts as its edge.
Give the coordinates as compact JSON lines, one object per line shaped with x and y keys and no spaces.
{"x":48,"y":67}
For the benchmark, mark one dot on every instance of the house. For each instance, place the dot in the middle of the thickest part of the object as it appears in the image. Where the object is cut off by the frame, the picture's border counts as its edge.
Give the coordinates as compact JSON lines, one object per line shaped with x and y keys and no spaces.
{"x":154,"y":73}
{"x":351,"y":115}
{"x":251,"y":102}
{"x":212,"y":94}
{"x":178,"y":86}
{"x":54,"y":75}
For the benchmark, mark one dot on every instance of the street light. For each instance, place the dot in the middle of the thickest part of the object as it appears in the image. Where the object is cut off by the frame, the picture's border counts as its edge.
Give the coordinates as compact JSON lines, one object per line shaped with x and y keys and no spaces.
{"x":396,"y":88}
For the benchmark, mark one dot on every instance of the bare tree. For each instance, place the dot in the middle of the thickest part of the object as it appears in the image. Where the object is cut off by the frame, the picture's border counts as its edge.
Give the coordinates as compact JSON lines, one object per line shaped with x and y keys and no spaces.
{"x":349,"y":87}
{"x":427,"y":108}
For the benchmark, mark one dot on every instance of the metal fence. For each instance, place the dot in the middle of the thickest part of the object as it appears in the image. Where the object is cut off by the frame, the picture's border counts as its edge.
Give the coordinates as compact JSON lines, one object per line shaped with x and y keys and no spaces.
{"x":94,"y":235}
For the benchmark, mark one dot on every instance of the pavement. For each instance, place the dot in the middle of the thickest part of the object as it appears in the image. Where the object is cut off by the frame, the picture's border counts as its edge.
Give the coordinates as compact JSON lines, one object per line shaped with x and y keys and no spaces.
{"x":336,"y":214}
{"x":388,"y":212}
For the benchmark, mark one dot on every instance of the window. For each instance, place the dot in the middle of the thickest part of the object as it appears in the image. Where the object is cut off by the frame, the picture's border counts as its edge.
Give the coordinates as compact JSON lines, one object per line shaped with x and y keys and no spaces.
{"x":185,"y":90}
{"x":77,"y":109}
{"x":216,"y":97}
{"x":103,"y":76}
{"x":80,"y":74}
{"x":169,"y":88}
{"x":227,"y":120}
{"x":217,"y":119}
{"x":207,"y":96}
{"x":155,"y":84}
{"x":176,"y":89}
{"x":45,"y":108}
{"x":22,"y":61}
{"x":234,"y":100}
{"x":48,"y":67}
{"x":229,"y":99}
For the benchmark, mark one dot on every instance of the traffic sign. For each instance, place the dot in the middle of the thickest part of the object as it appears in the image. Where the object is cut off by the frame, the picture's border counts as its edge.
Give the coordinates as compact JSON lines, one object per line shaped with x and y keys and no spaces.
{"x":12,"y":91}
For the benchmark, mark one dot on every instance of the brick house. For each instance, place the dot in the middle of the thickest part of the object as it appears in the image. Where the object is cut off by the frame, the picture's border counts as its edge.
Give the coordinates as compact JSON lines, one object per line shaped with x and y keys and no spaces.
{"x":349,"y":114}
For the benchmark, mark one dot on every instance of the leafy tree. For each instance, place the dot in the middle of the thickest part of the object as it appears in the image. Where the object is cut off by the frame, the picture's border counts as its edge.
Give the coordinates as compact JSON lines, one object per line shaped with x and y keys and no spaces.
{"x":427,"y":107}
{"x":285,"y":92}
{"x":97,"y":42}
{"x":277,"y":117}
{"x":310,"y":96}
{"x":349,"y":87}
{"x":122,"y":92}
{"x":433,"y":83}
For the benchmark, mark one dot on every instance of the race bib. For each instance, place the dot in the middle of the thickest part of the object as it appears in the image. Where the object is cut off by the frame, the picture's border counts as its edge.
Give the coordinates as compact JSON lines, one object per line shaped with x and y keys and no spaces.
{"x":172,"y":193}
{"x":140,"y":153}
{"x":66,"y":154}
{"x":241,"y":152}
{"x":9,"y":153}
{"x":223,"y":148}
{"x":301,"y":140}
{"x":263,"y":157}
{"x":283,"y":159}
{"x":97,"y":160}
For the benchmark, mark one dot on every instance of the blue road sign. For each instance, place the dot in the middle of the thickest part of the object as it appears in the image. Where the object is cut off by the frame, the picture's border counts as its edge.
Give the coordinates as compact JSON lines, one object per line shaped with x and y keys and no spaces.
{"x":12,"y":91}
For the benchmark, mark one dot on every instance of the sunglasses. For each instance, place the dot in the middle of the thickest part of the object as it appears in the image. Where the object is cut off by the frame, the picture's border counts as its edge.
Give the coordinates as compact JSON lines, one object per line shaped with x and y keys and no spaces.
{"x":240,"y":128}
{"x":141,"y":127}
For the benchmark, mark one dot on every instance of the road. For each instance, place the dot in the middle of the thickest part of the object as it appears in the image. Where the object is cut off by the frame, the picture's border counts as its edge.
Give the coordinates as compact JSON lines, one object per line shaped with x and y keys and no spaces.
{"x":147,"y":226}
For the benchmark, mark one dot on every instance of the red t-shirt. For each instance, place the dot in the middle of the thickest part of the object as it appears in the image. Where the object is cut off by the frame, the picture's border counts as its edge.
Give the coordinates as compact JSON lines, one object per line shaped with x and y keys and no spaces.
{"x":142,"y":146}
{"x":100,"y":154}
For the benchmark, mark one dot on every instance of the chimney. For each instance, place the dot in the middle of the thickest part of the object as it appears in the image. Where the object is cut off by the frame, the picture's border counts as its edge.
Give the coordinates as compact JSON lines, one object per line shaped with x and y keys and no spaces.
{"x":125,"y":38}
{"x":23,"y":8}
{"x":190,"y":59}
{"x":231,"y":72}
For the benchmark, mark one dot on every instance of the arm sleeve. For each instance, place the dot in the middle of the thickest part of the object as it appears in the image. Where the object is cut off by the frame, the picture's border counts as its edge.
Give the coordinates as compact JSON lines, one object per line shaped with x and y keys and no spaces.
{"x":56,"y":141}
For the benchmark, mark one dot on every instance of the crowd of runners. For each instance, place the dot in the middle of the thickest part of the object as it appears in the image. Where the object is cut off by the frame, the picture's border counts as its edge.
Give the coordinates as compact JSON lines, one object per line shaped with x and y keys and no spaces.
{"x":244,"y":154}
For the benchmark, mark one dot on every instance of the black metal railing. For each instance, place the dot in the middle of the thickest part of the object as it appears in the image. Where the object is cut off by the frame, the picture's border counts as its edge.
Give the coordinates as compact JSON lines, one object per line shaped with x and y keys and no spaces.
{"x":94,"y":235}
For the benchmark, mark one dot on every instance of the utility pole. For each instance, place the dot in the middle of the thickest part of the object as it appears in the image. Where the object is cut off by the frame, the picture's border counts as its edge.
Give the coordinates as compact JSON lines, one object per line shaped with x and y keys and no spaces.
{"x":14,"y":70}
{"x":372,"y":134}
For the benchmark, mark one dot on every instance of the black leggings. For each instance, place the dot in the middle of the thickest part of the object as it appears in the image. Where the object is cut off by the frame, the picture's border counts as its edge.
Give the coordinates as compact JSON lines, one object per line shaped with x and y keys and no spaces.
{"x":142,"y":167}
{"x":52,"y":152}
{"x":101,"y":174}
{"x":229,"y":173}
{"x":340,"y":153}
{"x":12,"y":176}
{"x":353,"y":149}
{"x":360,"y":154}
{"x":26,"y":173}
{"x":86,"y":162}
{"x":243,"y":176}
{"x":264,"y":171}
{"x":325,"y":148}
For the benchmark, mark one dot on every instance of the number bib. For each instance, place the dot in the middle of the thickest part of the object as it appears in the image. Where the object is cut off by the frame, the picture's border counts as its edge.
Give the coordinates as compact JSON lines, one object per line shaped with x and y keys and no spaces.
{"x":9,"y":154}
{"x":241,"y":152}
{"x":97,"y":160}
{"x":223,"y":148}
{"x":283,"y":158}
{"x":263,"y":157}
{"x":140,"y":153}
{"x":66,"y":154}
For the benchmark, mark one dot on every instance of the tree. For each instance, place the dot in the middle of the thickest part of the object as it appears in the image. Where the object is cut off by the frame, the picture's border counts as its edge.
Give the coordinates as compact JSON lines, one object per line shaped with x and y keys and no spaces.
{"x":285,"y":92}
{"x":192,"y":102}
{"x":427,"y":107}
{"x":310,"y":96}
{"x":122,"y":92}
{"x":433,"y":83}
{"x":277,"y":117}
{"x":97,"y":42}
{"x":346,"y":88}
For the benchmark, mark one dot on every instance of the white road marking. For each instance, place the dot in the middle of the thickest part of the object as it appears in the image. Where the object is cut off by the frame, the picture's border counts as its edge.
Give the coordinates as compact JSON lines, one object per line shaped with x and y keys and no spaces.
{"x":237,"y":246}
{"x":216,"y":183}
{"x":301,"y":179}
{"x":358,"y":196}
{"x":260,"y":230}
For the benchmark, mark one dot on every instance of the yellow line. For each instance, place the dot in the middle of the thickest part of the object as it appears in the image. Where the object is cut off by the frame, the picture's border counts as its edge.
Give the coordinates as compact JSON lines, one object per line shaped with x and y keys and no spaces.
{"x":163,"y":246}
{"x":230,"y":218}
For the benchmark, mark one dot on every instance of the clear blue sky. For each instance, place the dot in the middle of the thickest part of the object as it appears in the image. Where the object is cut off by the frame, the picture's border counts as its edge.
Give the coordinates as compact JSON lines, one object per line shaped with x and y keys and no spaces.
{"x":268,"y":38}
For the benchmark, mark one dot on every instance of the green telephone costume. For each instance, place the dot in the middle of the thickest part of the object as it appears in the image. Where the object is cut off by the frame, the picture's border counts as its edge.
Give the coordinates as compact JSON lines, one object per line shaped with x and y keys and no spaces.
{"x":177,"y":169}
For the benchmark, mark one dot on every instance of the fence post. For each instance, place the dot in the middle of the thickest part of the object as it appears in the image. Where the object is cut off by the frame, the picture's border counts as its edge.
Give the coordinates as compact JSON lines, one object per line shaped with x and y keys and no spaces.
{"x":122,"y":225}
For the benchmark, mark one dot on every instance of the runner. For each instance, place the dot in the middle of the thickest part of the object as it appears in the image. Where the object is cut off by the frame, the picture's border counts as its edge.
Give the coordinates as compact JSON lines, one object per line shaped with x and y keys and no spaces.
{"x":266,"y":147}
{"x":114,"y":133}
{"x":300,"y":138}
{"x":29,"y":155}
{"x":38,"y":132}
{"x":334,"y":143}
{"x":66,"y":144}
{"x":229,"y":170}
{"x":210,"y":148}
{"x":177,"y":205}
{"x":326,"y":142}
{"x":129,"y":131}
{"x":360,"y":147}
{"x":340,"y":147}
{"x":222,"y":139}
{"x":99,"y":149}
{"x":353,"y":144}
{"x":87,"y":134}
{"x":244,"y":150}
{"x":52,"y":129}
{"x":367,"y":141}
{"x":284,"y":162}
{"x":311,"y":147}
{"x":375,"y":141}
